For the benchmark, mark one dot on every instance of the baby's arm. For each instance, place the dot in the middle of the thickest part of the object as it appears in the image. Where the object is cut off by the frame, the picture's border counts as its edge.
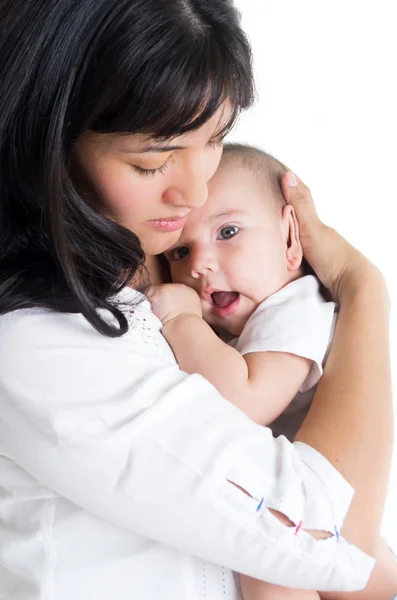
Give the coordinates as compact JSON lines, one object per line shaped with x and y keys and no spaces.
{"x":262,"y":384}
{"x":253,"y":589}
{"x":382,"y":586}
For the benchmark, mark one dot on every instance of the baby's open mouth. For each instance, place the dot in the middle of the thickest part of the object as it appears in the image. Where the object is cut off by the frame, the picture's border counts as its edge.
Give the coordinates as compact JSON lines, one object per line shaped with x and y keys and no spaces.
{"x":224,"y":299}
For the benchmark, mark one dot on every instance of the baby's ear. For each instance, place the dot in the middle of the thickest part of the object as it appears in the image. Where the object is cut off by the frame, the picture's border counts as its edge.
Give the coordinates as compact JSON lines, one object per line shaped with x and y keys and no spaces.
{"x":294,"y":252}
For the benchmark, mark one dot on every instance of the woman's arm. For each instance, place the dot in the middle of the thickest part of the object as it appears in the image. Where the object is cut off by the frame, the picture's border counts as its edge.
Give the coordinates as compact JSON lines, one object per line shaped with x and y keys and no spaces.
{"x":157,"y":450}
{"x":350,"y":421}
{"x":113,"y":426}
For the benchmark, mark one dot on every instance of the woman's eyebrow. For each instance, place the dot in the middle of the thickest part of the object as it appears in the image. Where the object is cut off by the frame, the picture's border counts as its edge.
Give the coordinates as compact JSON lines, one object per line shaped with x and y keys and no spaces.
{"x":158,"y":149}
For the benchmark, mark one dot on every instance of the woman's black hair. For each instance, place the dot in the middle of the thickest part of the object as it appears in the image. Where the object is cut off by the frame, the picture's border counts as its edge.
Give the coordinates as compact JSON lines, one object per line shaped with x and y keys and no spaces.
{"x":160,"y":67}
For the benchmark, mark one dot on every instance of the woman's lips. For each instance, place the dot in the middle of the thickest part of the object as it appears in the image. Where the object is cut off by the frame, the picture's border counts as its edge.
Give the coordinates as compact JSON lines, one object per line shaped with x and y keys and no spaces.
{"x":168,"y":225}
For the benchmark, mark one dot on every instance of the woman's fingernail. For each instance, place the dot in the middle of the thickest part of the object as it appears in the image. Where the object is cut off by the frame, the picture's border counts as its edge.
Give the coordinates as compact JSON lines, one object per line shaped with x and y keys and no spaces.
{"x":291,"y":179}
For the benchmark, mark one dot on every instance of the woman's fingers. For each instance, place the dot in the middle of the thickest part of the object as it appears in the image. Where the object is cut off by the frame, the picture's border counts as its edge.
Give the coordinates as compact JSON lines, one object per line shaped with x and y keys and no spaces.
{"x":311,"y":229}
{"x":299,"y":196}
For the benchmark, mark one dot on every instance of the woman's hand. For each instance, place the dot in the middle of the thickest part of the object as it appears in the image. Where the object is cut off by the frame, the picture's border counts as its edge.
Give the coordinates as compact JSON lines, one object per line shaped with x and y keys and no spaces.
{"x":172,"y":300}
{"x":350,"y":420}
{"x":338,"y":265}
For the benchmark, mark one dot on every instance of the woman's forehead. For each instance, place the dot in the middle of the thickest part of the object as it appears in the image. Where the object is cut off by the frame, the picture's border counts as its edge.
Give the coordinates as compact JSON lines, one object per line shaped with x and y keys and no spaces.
{"x":142,"y":143}
{"x":211,"y":129}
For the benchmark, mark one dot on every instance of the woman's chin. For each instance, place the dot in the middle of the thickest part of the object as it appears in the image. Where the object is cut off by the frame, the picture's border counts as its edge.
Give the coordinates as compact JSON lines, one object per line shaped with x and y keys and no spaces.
{"x":154,"y":247}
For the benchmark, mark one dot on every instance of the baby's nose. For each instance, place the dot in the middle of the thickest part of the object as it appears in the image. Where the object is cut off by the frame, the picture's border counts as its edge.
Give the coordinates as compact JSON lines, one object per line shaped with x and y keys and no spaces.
{"x":202,"y":261}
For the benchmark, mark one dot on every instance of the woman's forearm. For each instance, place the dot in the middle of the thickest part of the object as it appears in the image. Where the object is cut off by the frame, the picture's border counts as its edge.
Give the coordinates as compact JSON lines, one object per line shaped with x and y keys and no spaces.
{"x":350,"y":421}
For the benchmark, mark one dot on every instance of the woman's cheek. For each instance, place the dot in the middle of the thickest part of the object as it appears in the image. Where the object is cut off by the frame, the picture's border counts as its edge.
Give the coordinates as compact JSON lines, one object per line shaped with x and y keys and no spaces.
{"x":213,"y":162}
{"x":124,"y":191}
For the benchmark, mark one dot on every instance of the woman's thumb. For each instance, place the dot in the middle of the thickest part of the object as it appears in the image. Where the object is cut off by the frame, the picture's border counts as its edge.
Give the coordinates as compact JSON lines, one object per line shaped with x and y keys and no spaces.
{"x":298,"y":195}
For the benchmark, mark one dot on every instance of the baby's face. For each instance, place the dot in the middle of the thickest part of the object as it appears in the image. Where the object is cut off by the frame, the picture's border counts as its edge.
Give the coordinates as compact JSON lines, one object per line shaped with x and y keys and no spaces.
{"x":232,"y":251}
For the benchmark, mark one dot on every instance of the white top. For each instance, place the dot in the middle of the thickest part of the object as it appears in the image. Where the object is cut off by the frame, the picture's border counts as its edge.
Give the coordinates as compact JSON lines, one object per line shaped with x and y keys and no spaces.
{"x":115,"y":471}
{"x":298,"y":320}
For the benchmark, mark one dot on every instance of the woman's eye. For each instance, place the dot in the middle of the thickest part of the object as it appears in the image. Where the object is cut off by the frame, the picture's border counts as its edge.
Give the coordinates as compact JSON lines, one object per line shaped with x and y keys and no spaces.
{"x":151,"y":172}
{"x":178,"y":253}
{"x":227,"y":232}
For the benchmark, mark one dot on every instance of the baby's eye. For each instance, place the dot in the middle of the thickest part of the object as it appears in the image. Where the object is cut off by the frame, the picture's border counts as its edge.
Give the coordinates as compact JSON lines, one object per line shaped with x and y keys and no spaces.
{"x":227,"y":232}
{"x":178,"y":253}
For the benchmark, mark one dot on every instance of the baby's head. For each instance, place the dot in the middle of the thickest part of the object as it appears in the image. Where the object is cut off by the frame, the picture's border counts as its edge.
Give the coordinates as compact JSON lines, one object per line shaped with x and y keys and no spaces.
{"x":243,"y":244}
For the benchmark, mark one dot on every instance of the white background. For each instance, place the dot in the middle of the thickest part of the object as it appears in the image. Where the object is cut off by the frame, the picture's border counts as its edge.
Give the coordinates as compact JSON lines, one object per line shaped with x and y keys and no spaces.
{"x":326,"y":76}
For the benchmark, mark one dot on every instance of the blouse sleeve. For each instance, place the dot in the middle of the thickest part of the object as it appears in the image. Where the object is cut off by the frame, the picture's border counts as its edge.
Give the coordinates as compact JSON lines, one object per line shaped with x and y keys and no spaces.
{"x":124,"y":434}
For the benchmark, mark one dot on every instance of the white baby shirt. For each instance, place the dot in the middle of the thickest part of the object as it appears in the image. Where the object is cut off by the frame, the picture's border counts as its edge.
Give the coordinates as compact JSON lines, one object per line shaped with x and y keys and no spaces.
{"x":298,"y":320}
{"x":115,"y":471}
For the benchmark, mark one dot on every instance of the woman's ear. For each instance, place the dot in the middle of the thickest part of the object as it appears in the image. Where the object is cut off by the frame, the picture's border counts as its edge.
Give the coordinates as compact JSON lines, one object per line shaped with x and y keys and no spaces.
{"x":294,"y":252}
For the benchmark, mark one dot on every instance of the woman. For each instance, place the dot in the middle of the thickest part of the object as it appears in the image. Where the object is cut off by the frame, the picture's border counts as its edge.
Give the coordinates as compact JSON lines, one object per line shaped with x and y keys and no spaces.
{"x":122,"y":477}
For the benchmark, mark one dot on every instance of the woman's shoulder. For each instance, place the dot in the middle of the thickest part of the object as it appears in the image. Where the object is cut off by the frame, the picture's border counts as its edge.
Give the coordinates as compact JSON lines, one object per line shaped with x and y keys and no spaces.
{"x":22,"y":327}
{"x":33,"y":330}
{"x":38,"y":326}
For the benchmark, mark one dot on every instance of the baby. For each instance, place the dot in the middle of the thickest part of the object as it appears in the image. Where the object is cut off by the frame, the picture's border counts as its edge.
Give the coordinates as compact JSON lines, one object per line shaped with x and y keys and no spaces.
{"x":247,"y":316}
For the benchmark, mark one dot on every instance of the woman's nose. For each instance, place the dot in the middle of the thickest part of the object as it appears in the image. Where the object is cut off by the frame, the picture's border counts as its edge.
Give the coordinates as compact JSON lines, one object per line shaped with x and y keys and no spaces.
{"x":190,"y":188}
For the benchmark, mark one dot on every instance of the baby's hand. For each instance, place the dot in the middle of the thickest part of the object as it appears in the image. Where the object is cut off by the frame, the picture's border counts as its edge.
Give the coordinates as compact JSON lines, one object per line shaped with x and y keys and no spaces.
{"x":172,"y":300}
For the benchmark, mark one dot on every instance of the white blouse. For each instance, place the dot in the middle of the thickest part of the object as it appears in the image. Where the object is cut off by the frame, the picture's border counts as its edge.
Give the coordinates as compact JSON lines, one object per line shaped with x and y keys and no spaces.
{"x":116,"y":471}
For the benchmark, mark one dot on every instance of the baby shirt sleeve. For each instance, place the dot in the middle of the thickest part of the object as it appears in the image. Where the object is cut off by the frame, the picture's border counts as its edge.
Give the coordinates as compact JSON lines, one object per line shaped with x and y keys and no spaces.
{"x":296,"y":320}
{"x":124,"y":434}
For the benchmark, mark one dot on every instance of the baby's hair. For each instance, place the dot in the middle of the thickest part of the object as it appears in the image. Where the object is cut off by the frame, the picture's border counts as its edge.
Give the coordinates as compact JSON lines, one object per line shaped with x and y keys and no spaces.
{"x":265,"y":169}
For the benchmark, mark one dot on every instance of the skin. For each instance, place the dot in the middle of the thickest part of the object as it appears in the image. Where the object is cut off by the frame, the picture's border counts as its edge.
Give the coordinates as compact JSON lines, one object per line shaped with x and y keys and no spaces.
{"x":217,"y":245}
{"x":237,"y":244}
{"x":138,"y":181}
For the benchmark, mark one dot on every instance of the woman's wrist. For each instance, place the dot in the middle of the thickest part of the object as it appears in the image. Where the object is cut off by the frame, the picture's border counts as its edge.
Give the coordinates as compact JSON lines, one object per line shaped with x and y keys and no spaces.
{"x":363,"y":284}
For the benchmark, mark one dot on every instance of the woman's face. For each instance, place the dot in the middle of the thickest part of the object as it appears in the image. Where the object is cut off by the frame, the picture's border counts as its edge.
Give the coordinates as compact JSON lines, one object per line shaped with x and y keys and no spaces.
{"x":148,"y":186}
